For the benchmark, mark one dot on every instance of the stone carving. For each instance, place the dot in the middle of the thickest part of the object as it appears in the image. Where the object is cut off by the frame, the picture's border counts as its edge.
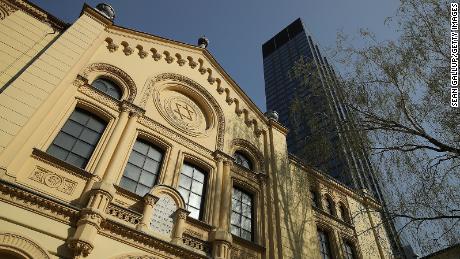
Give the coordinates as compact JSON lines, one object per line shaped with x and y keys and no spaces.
{"x":155,"y":55}
{"x":168,"y":57}
{"x":53,"y":180}
{"x":115,"y":71}
{"x":38,"y":204}
{"x":112,"y":47}
{"x":238,"y":253}
{"x":22,"y":245}
{"x":142,"y":52}
{"x":127,"y":49}
{"x":196,"y":243}
{"x":80,"y":248}
{"x":163,"y":212}
{"x":184,"y":80}
{"x":193,"y":233}
{"x":123,"y":214}
{"x":203,"y":70}
{"x":185,"y":114}
{"x":180,"y":60}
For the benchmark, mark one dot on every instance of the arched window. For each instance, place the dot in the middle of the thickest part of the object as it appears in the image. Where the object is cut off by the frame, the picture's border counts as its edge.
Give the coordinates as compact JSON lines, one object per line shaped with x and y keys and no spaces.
{"x":344,"y":213}
{"x":242,"y":214}
{"x":314,"y":198}
{"x":142,"y":169}
{"x":78,"y":138}
{"x":108,"y":87}
{"x":242,"y":160}
{"x":349,"y":250}
{"x":192,"y":184}
{"x":328,"y":206}
{"x":324,"y":244}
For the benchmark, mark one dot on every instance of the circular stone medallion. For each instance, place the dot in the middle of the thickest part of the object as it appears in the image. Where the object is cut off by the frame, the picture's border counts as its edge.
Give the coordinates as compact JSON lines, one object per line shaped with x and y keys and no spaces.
{"x":185,"y":114}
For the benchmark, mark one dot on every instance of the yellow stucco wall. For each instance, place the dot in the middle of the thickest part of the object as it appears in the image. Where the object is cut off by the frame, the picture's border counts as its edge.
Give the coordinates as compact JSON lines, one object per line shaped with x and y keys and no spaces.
{"x":63,"y":211}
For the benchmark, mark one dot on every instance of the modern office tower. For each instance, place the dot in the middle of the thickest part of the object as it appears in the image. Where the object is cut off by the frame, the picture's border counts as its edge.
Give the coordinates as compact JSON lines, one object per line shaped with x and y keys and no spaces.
{"x":346,"y":160}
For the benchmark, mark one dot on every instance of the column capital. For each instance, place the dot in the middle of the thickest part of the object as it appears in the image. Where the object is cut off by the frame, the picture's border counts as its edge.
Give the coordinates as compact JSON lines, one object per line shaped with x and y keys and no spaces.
{"x":219,"y":155}
{"x":181,"y":214}
{"x":150,"y":199}
{"x":134,"y":110}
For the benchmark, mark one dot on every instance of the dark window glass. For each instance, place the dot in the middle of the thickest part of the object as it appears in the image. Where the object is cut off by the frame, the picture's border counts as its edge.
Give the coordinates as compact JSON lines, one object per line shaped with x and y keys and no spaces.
{"x":328,"y":206}
{"x":344,"y":213}
{"x":77,"y":139}
{"x":349,"y":251}
{"x":241,"y":218}
{"x":324,"y":246}
{"x":142,"y":168}
{"x":191,"y":187}
{"x":314,"y":198}
{"x":108,"y":87}
{"x":242,"y":160}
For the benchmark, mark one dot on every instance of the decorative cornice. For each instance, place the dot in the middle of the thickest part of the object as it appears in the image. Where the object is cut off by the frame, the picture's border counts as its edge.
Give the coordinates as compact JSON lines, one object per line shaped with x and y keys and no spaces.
{"x":145,"y":241}
{"x":155,"y":126}
{"x":38,"y":203}
{"x":35,"y":11}
{"x":258,"y":127}
{"x":124,"y":214}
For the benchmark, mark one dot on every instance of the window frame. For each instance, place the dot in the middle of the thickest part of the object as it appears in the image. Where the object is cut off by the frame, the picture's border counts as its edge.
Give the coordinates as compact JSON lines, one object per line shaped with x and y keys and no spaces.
{"x":352,"y":245}
{"x":206,"y":173}
{"x":253,"y":197}
{"x":110,"y":80}
{"x":159,"y":148}
{"x":93,"y":110}
{"x":327,"y":234}
{"x":247,"y":157}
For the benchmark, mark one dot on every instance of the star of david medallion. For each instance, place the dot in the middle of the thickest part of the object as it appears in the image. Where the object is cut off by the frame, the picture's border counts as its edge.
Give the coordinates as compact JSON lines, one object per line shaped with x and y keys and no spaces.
{"x":185,"y":114}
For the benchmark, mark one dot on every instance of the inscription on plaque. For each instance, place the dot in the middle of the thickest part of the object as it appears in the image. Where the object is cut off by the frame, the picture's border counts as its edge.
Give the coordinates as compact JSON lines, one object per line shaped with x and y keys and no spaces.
{"x":162,"y":218}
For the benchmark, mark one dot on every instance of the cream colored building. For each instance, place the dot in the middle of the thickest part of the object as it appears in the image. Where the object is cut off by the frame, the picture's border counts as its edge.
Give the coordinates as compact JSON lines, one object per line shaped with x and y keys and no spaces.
{"x":116,"y":143}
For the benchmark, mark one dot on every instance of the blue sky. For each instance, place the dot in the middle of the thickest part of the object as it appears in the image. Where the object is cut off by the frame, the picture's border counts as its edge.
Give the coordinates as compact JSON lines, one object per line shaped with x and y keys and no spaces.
{"x":238,"y":28}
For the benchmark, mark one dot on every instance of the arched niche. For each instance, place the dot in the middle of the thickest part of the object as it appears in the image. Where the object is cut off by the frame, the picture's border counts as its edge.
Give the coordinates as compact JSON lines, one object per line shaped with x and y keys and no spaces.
{"x":251,"y":151}
{"x":18,"y":246}
{"x":164,"y":216}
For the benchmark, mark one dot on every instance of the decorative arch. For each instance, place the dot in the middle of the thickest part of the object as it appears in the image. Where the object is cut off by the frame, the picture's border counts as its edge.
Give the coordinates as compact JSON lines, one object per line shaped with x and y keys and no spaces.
{"x":91,"y":72}
{"x":22,"y":246}
{"x":160,"y":189}
{"x":250,"y":150}
{"x":200,"y":90}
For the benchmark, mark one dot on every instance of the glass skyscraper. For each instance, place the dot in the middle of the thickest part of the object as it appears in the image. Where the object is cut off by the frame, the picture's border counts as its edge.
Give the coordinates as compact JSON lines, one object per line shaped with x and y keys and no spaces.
{"x":346,"y":160}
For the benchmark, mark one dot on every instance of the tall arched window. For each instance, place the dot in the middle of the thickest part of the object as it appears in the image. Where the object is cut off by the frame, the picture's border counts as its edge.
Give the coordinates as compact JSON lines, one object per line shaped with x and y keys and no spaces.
{"x":242,"y":160}
{"x":328,"y":206}
{"x":349,"y":250}
{"x":314,"y":198}
{"x":108,"y":87}
{"x":324,"y":244}
{"x":192,"y":184}
{"x":344,"y":213}
{"x":142,"y":169}
{"x":242,"y":214}
{"x":78,"y":138}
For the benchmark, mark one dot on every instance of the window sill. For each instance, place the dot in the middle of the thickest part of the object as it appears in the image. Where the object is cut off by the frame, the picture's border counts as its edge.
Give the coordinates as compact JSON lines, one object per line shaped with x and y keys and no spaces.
{"x":246,"y":243}
{"x":49,"y":159}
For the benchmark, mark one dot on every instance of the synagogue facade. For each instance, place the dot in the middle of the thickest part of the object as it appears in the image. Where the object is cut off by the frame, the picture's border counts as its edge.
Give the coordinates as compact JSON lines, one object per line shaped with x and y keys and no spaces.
{"x":116,"y":143}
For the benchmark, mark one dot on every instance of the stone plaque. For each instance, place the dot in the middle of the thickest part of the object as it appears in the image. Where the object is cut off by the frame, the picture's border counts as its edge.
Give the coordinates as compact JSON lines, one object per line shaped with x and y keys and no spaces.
{"x":53,"y":180}
{"x":163,"y":212}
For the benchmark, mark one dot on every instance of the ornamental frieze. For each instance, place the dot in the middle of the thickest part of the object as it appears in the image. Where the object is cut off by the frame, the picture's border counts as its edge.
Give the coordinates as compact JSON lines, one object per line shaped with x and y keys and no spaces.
{"x":53,"y":180}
